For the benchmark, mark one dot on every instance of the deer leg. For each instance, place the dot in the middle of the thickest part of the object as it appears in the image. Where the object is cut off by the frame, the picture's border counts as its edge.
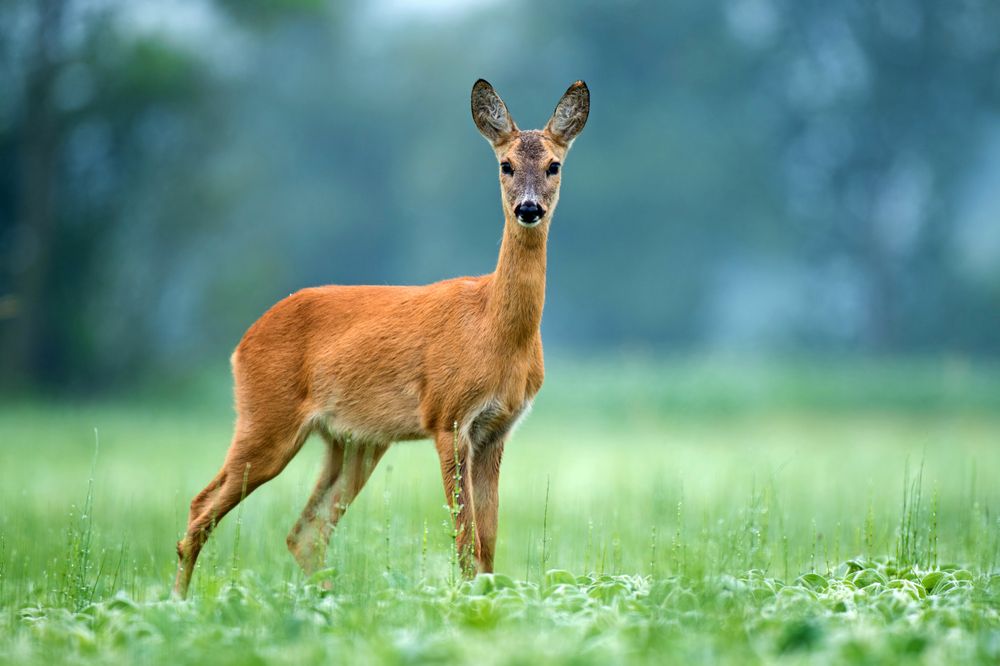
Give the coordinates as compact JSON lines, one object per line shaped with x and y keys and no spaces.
{"x":347,"y":470}
{"x":253,"y":459}
{"x":485,"y":482}
{"x":454,"y":458}
{"x":205,"y":496}
{"x":306,"y":536}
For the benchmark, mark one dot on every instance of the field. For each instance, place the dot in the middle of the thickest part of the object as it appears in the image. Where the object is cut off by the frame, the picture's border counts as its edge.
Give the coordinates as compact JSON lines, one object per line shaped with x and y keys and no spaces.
{"x":652,"y":511}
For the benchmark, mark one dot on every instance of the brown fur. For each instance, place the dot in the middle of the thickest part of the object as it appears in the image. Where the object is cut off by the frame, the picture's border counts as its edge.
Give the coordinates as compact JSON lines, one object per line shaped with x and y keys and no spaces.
{"x":366,"y":366}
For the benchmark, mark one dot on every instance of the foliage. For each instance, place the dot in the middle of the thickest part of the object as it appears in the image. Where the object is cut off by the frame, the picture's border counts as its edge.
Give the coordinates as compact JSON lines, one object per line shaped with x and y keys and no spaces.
{"x":773,"y":532}
{"x":873,"y":614}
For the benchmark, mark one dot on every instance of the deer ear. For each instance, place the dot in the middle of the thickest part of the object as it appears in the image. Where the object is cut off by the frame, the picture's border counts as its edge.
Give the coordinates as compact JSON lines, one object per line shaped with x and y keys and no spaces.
{"x":490,"y":113}
{"x":570,"y":115}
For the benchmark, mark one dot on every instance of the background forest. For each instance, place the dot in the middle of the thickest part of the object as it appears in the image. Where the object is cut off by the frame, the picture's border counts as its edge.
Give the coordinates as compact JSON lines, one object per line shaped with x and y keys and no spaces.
{"x":761,"y":177}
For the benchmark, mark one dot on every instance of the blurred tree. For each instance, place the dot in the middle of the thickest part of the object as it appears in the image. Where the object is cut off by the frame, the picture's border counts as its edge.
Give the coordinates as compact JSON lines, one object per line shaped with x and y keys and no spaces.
{"x":34,"y":210}
{"x":779,"y":175}
{"x":78,"y":141}
{"x":886,"y":104}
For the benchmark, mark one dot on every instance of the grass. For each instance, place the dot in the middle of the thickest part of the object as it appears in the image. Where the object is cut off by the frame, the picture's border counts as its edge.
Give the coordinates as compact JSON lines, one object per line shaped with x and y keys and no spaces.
{"x":696,"y":512}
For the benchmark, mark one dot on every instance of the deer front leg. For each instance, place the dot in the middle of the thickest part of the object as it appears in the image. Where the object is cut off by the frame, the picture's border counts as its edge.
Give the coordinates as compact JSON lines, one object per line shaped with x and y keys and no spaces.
{"x":453,"y":452}
{"x":485,"y":484}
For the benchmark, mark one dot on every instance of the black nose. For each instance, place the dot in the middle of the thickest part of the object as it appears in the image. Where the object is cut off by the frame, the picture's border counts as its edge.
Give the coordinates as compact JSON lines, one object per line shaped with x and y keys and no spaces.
{"x":529,"y":212}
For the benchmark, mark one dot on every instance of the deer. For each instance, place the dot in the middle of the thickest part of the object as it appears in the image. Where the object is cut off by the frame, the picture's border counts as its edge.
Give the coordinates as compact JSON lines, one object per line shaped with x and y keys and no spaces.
{"x":457,"y":362}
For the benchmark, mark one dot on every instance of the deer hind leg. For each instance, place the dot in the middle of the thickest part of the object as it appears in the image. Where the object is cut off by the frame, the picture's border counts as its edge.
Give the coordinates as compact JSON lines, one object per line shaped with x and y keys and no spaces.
{"x":348,"y":467}
{"x":203,"y":498}
{"x":454,"y":457}
{"x":255,"y":457}
{"x":308,"y":538}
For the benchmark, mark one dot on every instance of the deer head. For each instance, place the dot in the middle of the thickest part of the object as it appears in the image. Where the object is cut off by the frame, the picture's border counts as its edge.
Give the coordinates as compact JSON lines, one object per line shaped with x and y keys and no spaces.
{"x":530,"y":160}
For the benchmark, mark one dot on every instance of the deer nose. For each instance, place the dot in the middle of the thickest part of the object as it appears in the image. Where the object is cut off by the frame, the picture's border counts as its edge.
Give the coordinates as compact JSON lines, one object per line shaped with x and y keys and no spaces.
{"x":529,"y":212}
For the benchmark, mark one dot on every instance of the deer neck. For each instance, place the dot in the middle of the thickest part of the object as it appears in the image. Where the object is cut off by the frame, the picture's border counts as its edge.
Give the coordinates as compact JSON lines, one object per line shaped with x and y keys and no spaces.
{"x":517,"y":292}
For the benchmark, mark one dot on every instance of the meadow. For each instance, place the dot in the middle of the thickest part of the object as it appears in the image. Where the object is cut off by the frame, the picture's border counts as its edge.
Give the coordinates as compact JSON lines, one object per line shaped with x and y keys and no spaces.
{"x":682,"y":511}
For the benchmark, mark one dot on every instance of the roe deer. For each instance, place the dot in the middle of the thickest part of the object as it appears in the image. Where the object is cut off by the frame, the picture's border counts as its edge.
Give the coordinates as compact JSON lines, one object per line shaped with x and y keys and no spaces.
{"x":366,"y":366}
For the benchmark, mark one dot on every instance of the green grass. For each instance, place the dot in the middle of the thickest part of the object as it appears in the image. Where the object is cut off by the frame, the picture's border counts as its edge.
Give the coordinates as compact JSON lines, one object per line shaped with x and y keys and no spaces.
{"x":697,"y":512}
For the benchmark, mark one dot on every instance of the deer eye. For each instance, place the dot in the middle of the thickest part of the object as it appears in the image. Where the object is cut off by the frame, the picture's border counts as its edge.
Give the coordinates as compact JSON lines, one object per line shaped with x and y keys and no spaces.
{"x":506,"y":168}
{"x":553,"y":169}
